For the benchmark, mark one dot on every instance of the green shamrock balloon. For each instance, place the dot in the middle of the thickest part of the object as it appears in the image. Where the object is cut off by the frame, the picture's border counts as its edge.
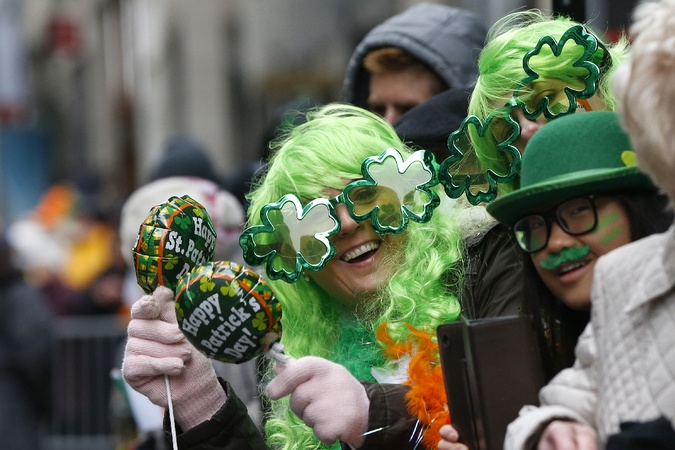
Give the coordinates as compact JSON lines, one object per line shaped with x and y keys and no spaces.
{"x":176,"y":236}
{"x":227,"y":312}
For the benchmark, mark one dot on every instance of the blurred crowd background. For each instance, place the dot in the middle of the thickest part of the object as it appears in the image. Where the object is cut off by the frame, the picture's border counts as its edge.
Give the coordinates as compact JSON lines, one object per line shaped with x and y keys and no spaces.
{"x":100,"y":97}
{"x":91,"y":90}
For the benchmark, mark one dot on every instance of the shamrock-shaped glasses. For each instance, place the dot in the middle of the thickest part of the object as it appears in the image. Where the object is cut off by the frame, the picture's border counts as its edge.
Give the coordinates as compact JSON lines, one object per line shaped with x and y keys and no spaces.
{"x":558,"y":79}
{"x":293,"y":237}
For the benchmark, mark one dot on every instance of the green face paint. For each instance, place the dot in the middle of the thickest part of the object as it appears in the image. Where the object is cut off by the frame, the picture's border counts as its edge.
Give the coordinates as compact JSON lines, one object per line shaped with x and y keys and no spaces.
{"x":610,"y":237}
{"x":537,"y":241}
{"x":567,"y":255}
{"x":606,"y":233}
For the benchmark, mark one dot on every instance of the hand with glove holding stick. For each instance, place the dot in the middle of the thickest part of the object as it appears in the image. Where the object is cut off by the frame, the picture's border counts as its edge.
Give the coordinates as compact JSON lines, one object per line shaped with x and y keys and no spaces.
{"x":166,"y":327}
{"x":156,"y":348}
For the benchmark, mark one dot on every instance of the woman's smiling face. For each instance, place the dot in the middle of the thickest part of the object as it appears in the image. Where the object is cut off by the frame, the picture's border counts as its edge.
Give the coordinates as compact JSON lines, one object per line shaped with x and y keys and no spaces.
{"x":570,"y":279}
{"x":364,"y":261}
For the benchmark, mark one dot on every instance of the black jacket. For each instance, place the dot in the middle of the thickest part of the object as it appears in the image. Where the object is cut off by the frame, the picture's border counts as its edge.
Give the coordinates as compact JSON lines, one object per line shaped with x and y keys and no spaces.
{"x":493,"y":284}
{"x":232,"y":429}
{"x":26,"y":341}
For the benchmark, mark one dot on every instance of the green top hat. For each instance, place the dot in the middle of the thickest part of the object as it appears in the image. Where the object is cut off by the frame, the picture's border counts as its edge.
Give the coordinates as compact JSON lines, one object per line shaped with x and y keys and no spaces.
{"x":573,"y":156}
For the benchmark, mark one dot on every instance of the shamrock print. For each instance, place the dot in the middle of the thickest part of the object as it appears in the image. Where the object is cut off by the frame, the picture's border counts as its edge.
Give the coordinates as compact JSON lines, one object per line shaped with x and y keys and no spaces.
{"x":182,"y":221}
{"x":260,"y":320}
{"x":230,"y":289}
{"x":170,"y":261}
{"x":206,"y":284}
{"x":180,"y":313}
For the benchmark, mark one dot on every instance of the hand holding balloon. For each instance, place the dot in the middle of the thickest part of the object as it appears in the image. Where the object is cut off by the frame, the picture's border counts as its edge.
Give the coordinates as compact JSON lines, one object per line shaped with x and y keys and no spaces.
{"x":177,"y":237}
{"x":224,"y":310}
{"x":156,"y":348}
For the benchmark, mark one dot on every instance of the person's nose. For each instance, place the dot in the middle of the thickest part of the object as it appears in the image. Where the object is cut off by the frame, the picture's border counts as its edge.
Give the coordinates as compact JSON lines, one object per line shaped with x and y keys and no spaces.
{"x":347,"y":224}
{"x":528,"y":127}
{"x":559,"y":240}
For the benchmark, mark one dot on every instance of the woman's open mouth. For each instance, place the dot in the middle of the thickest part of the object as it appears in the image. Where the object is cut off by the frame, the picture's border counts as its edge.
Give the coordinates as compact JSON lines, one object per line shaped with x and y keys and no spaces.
{"x":571,"y":271}
{"x":361,"y":253}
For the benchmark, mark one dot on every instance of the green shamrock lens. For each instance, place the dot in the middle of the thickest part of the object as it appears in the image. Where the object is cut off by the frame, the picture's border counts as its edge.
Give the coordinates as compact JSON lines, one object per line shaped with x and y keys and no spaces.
{"x":575,"y":75}
{"x":475,"y":146}
{"x":366,"y":198}
{"x":291,"y":237}
{"x":394,"y":191}
{"x":466,"y":172}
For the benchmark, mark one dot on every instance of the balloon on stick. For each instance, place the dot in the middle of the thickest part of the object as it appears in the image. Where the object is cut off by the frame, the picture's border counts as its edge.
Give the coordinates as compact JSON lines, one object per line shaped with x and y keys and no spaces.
{"x":228,"y":312}
{"x":225,"y":310}
{"x":176,"y":236}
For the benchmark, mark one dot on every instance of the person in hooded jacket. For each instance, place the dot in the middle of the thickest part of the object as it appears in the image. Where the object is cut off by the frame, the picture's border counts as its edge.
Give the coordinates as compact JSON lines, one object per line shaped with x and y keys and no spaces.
{"x":412,"y":56}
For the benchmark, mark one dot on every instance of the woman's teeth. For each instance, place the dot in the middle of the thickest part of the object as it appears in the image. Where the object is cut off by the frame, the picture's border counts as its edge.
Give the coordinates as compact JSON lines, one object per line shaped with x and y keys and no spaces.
{"x":571,"y":267}
{"x":365,"y":248}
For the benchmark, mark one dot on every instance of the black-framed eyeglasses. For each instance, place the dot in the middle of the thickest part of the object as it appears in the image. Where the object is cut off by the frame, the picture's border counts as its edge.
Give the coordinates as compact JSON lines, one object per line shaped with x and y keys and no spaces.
{"x":576,"y":216}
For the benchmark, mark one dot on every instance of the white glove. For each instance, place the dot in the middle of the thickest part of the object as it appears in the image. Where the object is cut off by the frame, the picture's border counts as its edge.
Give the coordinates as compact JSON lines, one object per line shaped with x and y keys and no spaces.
{"x":325,"y":396}
{"x":156,"y":347}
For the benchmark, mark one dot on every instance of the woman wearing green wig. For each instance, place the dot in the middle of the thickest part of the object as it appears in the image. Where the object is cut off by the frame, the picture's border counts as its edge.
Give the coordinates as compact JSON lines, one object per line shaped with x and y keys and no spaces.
{"x":364,"y":272}
{"x":534,"y":68}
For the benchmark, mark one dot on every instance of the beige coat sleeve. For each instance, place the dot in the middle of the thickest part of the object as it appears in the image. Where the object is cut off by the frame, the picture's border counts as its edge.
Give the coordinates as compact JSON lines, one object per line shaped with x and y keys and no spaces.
{"x":569,"y":396}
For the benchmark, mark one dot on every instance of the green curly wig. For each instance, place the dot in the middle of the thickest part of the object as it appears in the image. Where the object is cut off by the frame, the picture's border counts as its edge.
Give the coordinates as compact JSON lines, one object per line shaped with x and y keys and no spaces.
{"x":321,"y":153}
